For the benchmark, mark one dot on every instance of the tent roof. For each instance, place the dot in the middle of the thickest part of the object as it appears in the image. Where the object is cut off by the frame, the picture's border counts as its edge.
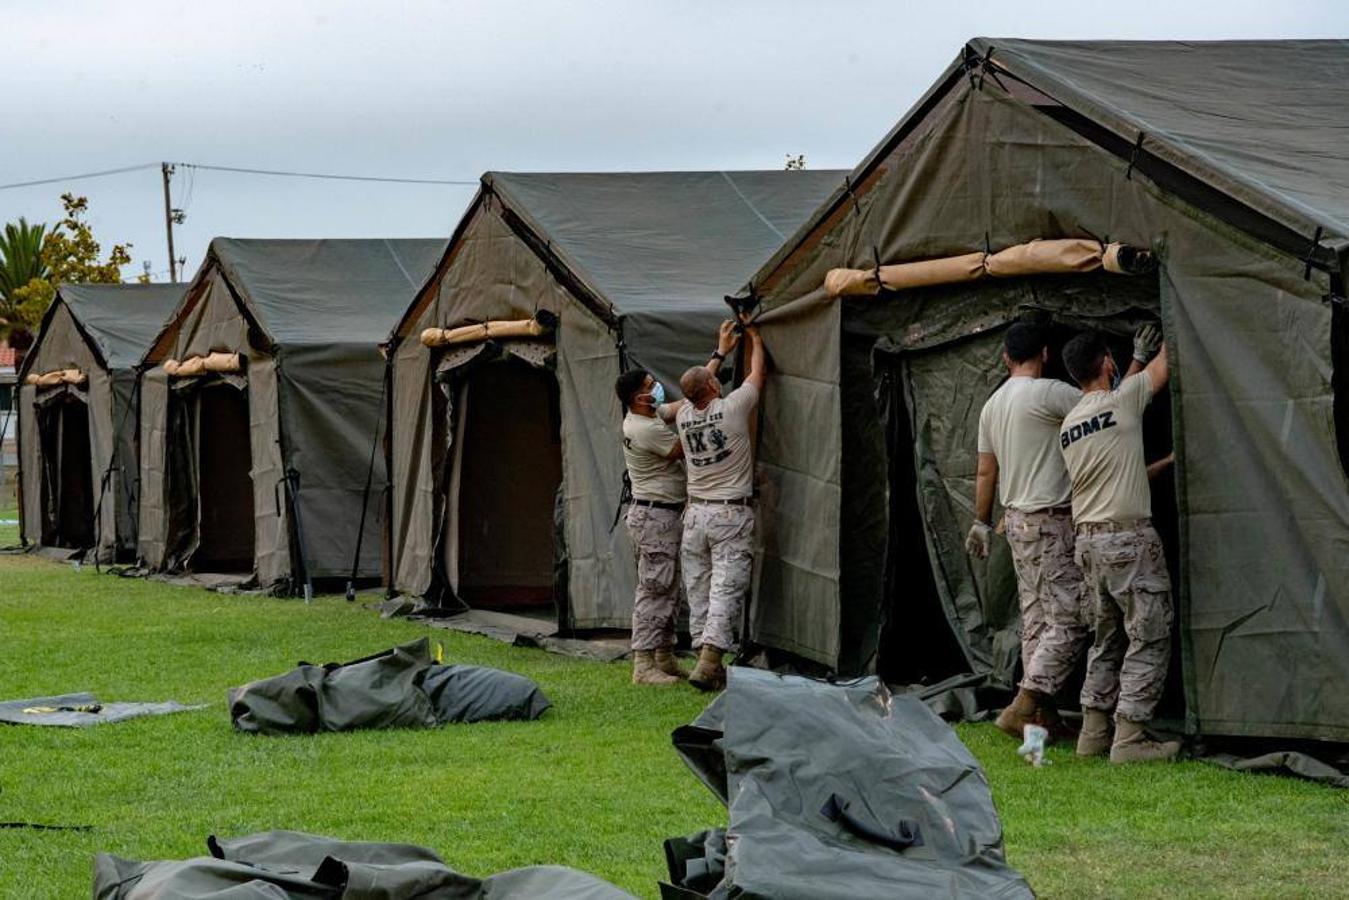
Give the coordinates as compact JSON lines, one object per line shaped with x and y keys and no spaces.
{"x":327,"y":291}
{"x":1263,"y":116}
{"x":1260,"y":122}
{"x":648,"y":241}
{"x":121,"y":319}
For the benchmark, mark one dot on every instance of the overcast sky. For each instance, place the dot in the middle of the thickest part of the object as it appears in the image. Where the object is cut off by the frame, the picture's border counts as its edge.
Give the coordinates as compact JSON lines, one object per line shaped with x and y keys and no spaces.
{"x":451,"y":89}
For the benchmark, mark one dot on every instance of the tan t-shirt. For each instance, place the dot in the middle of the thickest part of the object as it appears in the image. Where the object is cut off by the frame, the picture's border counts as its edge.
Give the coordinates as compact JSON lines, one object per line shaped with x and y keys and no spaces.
{"x":1102,"y":443}
{"x":1020,"y":426}
{"x":646,"y":443}
{"x":717,"y":447}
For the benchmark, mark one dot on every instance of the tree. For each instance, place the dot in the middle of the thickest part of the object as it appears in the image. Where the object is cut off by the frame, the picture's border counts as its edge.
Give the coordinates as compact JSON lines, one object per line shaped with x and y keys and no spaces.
{"x":20,"y":263}
{"x":795,"y":163}
{"x":69,"y":254}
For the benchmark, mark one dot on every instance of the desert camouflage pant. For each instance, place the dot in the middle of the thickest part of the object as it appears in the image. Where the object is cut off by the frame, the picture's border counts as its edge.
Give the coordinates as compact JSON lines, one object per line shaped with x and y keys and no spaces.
{"x":717,"y":557}
{"x":655,"y":537}
{"x":1130,"y":595}
{"x":1055,"y":628}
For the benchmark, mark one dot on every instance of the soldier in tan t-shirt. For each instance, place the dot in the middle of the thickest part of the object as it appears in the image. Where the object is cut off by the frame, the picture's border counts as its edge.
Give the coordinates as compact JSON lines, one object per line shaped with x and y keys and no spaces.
{"x":1019,"y":458}
{"x":716,"y":553}
{"x":1121,"y":556}
{"x":654,"y":458}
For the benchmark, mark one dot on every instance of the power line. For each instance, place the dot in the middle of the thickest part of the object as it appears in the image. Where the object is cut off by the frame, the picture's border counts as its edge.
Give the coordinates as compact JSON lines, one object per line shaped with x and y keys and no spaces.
{"x":242,"y":171}
{"x":123,"y":169}
{"x":326,"y":176}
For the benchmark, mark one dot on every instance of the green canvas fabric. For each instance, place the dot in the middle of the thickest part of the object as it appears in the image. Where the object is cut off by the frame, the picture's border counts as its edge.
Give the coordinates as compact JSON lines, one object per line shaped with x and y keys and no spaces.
{"x":101,"y":329}
{"x":291,"y":864}
{"x":307,"y":316}
{"x":780,"y":751}
{"x":1263,"y":509}
{"x":635,"y":266}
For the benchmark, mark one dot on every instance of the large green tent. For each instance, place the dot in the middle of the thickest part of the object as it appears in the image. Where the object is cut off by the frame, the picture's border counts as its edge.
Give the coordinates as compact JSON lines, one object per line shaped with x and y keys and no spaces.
{"x":77,"y":435}
{"x":262,"y":400}
{"x":498,"y":447}
{"x":1229,"y":161}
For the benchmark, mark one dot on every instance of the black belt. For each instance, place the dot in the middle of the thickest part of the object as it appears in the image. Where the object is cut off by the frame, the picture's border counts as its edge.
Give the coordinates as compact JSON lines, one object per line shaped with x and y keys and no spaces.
{"x":659,"y":504}
{"x":734,"y":501}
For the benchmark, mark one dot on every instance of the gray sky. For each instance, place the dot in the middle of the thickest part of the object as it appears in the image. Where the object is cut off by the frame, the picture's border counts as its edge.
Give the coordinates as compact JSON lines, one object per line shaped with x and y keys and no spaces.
{"x":451,"y":89}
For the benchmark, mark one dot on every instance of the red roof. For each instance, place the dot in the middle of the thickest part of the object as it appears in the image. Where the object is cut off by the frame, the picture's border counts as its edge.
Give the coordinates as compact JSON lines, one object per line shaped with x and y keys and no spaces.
{"x":7,"y":355}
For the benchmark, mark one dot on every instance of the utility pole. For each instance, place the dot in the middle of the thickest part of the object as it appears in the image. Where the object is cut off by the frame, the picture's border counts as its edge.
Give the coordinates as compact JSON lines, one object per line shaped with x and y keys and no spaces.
{"x":168,"y":220}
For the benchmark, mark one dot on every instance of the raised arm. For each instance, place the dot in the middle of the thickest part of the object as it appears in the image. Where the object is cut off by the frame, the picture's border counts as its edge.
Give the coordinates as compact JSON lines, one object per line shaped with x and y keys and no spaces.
{"x":727,"y":338}
{"x":1158,"y":370}
{"x":758,"y":364}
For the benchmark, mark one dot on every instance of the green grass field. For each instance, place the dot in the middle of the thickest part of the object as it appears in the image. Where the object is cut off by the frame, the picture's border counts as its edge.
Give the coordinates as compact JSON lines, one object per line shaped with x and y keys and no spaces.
{"x":594,"y":784}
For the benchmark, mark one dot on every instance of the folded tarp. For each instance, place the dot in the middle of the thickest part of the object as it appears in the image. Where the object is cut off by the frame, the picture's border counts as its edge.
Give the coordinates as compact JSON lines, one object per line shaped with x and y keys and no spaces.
{"x":275,"y":865}
{"x":837,"y":791}
{"x":399,"y":688}
{"x":80,"y":710}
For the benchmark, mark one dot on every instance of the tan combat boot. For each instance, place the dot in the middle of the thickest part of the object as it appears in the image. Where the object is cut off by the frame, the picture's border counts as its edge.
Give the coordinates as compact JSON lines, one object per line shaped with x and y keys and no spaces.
{"x":1024,"y":710}
{"x":1132,"y":744}
{"x":668,"y":663}
{"x":644,"y":670}
{"x":709,"y":674}
{"x":1094,"y":739}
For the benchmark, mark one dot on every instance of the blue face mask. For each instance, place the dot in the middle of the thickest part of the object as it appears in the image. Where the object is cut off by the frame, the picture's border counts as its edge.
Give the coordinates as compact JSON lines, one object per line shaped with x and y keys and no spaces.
{"x":657,"y":394}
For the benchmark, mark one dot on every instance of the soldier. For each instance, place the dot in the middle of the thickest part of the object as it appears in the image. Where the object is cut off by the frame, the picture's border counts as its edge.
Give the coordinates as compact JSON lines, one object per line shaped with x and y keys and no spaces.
{"x":654,"y":457}
{"x":1019,"y":456}
{"x":1120,"y":553}
{"x":717,"y":549}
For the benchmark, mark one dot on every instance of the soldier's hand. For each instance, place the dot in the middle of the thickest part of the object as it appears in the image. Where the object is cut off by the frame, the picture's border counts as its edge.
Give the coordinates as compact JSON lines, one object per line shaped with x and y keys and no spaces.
{"x":1147,"y":339}
{"x":727,"y":337}
{"x":979,"y":541}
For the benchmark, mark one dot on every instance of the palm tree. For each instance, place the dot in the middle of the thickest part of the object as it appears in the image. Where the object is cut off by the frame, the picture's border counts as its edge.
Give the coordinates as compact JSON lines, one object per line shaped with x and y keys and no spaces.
{"x":20,"y":263}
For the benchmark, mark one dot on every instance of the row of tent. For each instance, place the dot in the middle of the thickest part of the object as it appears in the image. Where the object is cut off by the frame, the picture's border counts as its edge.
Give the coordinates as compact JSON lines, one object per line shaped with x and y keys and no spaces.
{"x":306,"y":410}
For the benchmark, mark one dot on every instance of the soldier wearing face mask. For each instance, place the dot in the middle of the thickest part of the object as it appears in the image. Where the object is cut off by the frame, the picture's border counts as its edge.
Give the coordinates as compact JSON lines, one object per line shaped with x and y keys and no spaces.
{"x":654,"y":458}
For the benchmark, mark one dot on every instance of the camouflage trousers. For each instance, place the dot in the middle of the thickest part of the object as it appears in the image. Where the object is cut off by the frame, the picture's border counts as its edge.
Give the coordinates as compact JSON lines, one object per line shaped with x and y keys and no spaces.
{"x":655,"y":537}
{"x":717,"y":556}
{"x":1130,"y":595}
{"x":1055,"y":627}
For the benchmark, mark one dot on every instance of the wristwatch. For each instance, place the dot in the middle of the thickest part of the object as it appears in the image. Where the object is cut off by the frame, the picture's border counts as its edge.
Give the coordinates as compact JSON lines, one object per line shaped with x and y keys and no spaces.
{"x":719,"y":356}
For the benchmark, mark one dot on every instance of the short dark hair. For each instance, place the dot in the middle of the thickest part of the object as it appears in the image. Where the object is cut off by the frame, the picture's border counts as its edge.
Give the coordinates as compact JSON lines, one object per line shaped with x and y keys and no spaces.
{"x":628,"y":384}
{"x":1084,"y":356}
{"x":1024,"y":341}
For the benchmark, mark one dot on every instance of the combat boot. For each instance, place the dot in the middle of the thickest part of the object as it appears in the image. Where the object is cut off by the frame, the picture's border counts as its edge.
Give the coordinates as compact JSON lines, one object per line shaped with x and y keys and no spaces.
{"x":644,"y":670}
{"x":1024,"y":710}
{"x":1132,"y":744}
{"x":709,"y":674}
{"x":1094,"y":739}
{"x":668,"y":663}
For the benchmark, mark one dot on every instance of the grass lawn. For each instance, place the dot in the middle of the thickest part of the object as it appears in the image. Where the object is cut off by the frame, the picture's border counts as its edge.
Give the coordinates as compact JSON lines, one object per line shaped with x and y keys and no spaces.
{"x":594,"y":784}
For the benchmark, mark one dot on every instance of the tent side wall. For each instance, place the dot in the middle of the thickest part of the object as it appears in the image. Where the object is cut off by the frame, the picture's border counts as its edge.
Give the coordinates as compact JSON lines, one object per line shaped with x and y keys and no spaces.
{"x":331,"y":410}
{"x":215,"y":322}
{"x":122,"y":486}
{"x":491,"y":273}
{"x":62,"y":345}
{"x":1264,"y":593}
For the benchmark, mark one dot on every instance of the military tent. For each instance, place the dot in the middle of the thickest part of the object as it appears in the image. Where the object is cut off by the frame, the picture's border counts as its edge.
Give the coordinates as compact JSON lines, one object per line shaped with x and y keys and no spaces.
{"x":78,"y":406}
{"x":261,"y":402}
{"x":1228,"y":162}
{"x":503,"y":431}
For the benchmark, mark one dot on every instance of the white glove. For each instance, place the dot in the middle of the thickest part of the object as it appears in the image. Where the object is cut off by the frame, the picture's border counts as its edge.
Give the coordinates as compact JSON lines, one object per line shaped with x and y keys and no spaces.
{"x":1147,"y":340}
{"x":980,"y":540}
